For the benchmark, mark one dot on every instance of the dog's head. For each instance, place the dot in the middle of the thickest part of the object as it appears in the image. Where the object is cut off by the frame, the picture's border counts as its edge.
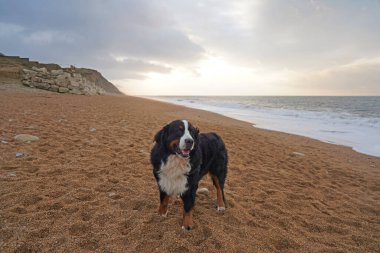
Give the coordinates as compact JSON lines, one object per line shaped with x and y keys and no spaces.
{"x":178,"y":137}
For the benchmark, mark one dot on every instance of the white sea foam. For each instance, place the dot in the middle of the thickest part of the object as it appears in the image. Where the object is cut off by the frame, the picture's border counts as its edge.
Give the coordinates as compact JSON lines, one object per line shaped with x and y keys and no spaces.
{"x":333,"y":126}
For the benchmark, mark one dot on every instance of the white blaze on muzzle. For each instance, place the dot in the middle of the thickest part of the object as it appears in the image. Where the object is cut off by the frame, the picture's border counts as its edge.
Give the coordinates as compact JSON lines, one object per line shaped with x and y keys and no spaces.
{"x":186,"y":135}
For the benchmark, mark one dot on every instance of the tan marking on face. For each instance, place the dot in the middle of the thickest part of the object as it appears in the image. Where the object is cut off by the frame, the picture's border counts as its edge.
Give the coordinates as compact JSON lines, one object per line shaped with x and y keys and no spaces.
{"x":173,"y":143}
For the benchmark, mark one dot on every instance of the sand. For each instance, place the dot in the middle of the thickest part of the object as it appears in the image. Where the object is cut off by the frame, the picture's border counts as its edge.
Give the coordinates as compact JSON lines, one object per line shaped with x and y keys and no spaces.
{"x":87,"y":184}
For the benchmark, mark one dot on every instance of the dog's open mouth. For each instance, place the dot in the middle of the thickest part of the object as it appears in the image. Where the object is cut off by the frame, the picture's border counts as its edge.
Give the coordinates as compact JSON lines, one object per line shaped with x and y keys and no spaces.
{"x":184,"y":152}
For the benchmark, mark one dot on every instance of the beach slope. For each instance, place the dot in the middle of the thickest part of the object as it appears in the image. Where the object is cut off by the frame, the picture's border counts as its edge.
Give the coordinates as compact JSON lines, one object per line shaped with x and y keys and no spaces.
{"x":87,"y":184}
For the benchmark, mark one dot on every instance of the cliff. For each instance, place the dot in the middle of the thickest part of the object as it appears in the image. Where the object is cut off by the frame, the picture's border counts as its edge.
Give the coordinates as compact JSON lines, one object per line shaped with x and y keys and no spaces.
{"x":53,"y":77}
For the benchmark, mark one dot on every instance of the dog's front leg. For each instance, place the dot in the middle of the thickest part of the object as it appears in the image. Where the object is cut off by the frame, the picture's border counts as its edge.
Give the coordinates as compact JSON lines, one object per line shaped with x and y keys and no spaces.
{"x":164,"y":202}
{"x":188,"y":199}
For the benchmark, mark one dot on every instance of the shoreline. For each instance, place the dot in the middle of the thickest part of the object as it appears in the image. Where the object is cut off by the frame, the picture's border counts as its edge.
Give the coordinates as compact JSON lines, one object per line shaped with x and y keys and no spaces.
{"x":87,"y":184}
{"x":269,"y":125}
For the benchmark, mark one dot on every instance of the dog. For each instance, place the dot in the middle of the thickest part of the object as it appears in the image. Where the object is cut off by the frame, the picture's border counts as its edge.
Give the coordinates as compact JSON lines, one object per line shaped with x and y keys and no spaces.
{"x":180,"y":157}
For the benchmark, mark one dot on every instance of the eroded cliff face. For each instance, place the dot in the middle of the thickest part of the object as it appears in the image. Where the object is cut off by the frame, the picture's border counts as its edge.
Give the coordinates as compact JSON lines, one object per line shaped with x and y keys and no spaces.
{"x":53,"y":78}
{"x":61,"y":80}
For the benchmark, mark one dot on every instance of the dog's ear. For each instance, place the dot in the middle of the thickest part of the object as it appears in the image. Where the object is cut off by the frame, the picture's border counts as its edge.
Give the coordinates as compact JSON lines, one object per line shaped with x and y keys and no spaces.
{"x":196,"y":133}
{"x":160,"y":136}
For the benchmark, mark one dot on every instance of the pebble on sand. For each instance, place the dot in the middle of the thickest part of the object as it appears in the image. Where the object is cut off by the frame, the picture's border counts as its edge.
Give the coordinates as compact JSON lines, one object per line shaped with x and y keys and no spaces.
{"x":297,"y":154}
{"x":20,"y":154}
{"x":26,"y":138}
{"x":203,"y":190}
{"x":12,"y":174}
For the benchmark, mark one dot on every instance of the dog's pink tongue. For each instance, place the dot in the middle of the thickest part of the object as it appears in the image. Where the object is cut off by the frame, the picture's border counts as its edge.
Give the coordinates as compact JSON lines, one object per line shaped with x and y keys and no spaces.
{"x":185,"y":152}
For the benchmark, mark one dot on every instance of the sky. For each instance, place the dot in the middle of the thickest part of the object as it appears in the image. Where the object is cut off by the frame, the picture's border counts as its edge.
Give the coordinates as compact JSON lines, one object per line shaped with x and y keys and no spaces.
{"x":214,"y":47}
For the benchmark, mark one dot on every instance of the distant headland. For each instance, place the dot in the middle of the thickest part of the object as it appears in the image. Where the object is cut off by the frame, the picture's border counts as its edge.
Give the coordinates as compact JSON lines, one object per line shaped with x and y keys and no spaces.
{"x":18,"y":72}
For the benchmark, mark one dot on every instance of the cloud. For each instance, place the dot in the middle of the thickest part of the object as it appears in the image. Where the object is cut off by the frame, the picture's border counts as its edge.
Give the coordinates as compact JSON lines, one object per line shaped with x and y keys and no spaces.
{"x":129,"y":68}
{"x":360,"y":77}
{"x":48,"y":37}
{"x":76,"y":32}
{"x":291,"y":40}
{"x":295,"y":34}
{"x":7,"y":29}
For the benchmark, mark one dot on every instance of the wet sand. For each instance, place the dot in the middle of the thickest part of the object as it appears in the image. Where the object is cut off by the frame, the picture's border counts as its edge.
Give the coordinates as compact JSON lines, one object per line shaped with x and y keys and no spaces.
{"x":87,"y":184}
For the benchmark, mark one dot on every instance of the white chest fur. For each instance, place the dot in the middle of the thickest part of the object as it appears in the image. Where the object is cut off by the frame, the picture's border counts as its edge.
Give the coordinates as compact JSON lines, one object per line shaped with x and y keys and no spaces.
{"x":172,"y":176}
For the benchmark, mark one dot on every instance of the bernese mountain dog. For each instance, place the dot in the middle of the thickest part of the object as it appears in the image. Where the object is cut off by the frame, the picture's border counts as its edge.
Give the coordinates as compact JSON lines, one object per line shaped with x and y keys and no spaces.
{"x":180,"y":157}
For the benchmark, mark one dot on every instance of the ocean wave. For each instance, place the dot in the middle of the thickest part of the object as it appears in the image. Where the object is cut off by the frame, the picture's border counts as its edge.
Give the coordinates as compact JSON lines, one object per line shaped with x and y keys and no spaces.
{"x":361,"y":131}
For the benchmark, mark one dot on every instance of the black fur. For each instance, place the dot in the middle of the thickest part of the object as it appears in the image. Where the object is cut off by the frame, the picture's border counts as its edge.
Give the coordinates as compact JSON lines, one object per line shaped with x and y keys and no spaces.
{"x":214,"y":158}
{"x":209,"y":155}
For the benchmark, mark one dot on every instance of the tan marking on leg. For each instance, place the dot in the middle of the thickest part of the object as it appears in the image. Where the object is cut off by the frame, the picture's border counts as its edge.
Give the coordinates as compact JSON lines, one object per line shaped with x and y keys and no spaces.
{"x":219,"y":194}
{"x":163,"y":209}
{"x":187,"y":221}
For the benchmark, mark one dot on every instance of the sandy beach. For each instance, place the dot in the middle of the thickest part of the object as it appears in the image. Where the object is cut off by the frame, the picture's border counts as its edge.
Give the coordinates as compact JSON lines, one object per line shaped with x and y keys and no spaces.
{"x":87,"y":184}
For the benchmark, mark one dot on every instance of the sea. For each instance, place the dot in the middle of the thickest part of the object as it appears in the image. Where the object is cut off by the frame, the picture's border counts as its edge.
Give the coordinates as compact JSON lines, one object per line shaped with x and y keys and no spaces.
{"x":349,"y":121}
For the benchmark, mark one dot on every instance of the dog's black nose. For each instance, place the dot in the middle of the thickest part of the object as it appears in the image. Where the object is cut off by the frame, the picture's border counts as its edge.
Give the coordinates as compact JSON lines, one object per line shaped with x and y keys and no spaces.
{"x":189,"y":141}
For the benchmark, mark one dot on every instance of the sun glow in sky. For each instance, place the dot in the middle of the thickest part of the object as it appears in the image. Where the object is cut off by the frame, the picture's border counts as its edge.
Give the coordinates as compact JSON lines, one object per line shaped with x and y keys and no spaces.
{"x":214,"y":76}
{"x":174,"y":47}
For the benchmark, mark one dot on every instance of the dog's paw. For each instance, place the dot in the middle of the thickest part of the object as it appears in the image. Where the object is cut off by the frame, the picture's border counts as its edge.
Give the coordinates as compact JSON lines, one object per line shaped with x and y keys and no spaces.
{"x":220,"y":209}
{"x":163,"y":214}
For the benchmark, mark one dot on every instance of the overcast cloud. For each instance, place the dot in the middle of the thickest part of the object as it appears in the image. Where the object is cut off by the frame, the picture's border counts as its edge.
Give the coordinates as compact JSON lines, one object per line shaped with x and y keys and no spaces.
{"x":313,"y":47}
